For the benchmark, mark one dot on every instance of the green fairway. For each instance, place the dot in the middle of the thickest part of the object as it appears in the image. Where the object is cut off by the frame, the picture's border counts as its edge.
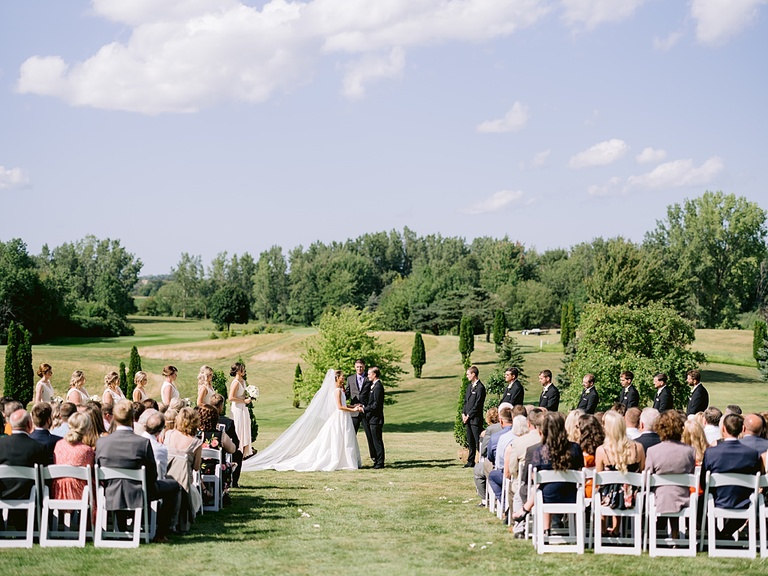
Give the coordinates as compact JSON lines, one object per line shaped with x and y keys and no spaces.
{"x":417,"y":516}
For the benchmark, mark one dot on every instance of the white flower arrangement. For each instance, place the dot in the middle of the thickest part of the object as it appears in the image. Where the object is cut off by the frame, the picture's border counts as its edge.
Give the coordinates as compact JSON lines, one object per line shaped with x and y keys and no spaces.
{"x":96,"y":398}
{"x":186,"y":402}
{"x":252,"y":391}
{"x":57,"y":399}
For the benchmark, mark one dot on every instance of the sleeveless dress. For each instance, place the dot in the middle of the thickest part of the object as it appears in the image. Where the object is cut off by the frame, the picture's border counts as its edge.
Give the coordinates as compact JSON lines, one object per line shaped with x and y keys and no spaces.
{"x":242,"y":419}
{"x":47,"y":394}
{"x":209,"y":392}
{"x":84,"y":397}
{"x":117,"y":395}
{"x":142,"y":394}
{"x":174,"y":392}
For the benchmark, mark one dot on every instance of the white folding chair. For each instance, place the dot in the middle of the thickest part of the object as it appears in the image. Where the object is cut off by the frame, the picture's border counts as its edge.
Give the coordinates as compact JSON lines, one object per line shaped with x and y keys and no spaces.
{"x":505,"y":504}
{"x":762,"y":517}
{"x":103,"y":535}
{"x":215,"y":480}
{"x":57,"y":527}
{"x":687,"y":516}
{"x":574,"y":541}
{"x":629,"y":533}
{"x":732,"y":547}
{"x":589,"y":474}
{"x":18,"y":538}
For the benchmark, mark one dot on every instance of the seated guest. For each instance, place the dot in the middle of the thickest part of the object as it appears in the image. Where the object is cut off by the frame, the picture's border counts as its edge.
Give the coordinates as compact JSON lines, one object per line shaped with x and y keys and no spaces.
{"x":693,"y":435}
{"x":730,"y":456}
{"x":124,"y":449}
{"x":93,"y":411}
{"x":228,"y":426}
{"x":648,"y":436}
{"x":2,"y":424}
{"x":66,"y":409}
{"x":632,"y":420}
{"x":73,"y":452}
{"x":515,"y":454}
{"x":671,"y":456}
{"x":154,"y":424}
{"x":184,"y":458}
{"x":479,"y":472}
{"x":753,"y":433}
{"x":496,"y":476}
{"x":150,"y":404}
{"x":591,"y":436}
{"x":18,"y":449}
{"x":9,"y":408}
{"x":41,"y":418}
{"x":572,"y":424}
{"x":555,"y":453}
{"x":214,"y":436}
{"x":138,"y":410}
{"x":712,"y":417}
{"x":733,"y":409}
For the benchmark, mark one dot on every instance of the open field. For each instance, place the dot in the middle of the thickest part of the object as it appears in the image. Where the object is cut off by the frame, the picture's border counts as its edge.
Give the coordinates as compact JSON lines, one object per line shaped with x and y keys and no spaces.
{"x":417,"y":516}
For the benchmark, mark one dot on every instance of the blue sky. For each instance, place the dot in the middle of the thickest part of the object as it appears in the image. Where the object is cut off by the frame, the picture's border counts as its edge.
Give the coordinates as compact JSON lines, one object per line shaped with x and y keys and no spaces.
{"x":204,"y":126}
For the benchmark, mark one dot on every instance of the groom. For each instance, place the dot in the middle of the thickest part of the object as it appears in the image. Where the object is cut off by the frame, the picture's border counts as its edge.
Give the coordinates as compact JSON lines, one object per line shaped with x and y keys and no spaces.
{"x":374,"y":415}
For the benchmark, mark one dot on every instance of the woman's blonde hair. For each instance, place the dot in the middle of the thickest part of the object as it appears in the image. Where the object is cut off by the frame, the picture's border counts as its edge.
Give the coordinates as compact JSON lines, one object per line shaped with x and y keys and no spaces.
{"x":693,"y":435}
{"x":187,"y":421}
{"x":202,"y":376}
{"x":77,"y":378}
{"x":618,"y":447}
{"x":79,"y":427}
{"x":140,"y":377}
{"x":572,"y":425}
{"x":170,"y":418}
{"x":110,"y":378}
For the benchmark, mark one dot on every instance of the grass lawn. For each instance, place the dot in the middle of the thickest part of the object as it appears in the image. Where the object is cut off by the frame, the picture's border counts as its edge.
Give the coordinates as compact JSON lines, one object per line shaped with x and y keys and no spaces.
{"x":417,"y":516}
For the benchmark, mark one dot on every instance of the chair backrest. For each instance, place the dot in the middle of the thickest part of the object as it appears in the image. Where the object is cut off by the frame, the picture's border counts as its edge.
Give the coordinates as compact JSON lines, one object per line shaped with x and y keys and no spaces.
{"x":211,"y":454}
{"x":109,"y":473}
{"x":614,"y":477}
{"x":53,"y":471}
{"x":18,"y":472}
{"x":682,"y":480}
{"x":764,"y":481}
{"x":570,"y":476}
{"x":720,"y":479}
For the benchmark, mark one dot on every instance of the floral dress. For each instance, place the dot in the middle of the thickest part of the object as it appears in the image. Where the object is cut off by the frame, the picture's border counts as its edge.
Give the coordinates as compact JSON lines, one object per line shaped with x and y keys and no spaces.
{"x":212,"y":439}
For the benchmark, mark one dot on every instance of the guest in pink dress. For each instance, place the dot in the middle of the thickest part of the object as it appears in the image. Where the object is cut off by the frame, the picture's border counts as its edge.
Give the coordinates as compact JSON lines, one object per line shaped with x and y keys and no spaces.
{"x":73,"y":452}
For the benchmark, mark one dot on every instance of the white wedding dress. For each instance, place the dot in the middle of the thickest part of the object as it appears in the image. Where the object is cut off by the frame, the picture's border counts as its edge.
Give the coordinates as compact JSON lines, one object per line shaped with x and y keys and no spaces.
{"x":321,"y":439}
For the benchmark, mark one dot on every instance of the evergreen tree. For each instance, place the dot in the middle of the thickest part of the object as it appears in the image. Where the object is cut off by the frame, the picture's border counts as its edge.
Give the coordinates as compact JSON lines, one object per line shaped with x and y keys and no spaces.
{"x":19,"y":375}
{"x":219,"y":384}
{"x":511,"y":355}
{"x":124,"y":380}
{"x":499,"y":328}
{"x":459,"y":431}
{"x":298,"y":378}
{"x":418,"y":354}
{"x":134,"y":365}
{"x":466,"y":340}
{"x":762,"y":360}
{"x":565,"y":330}
{"x":760,"y":333}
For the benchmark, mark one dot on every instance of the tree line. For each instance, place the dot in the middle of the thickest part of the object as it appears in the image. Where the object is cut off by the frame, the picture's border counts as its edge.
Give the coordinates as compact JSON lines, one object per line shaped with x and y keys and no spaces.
{"x":707,"y":259}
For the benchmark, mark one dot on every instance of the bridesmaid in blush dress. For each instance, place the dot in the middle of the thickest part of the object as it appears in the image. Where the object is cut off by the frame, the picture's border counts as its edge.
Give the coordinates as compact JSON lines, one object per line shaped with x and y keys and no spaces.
{"x":240,"y":401}
{"x":205,"y":390}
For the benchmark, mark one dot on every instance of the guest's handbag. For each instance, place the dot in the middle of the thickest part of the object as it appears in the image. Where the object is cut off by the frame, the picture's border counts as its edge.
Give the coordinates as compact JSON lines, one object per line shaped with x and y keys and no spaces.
{"x":618,"y":496}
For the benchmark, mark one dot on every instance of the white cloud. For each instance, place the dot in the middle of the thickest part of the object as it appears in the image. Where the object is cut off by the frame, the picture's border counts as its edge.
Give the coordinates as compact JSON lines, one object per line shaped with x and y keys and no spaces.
{"x":512,"y":121}
{"x":184,"y":55}
{"x":600,"y":154}
{"x":677,"y":174}
{"x":666,"y":44}
{"x":11,"y":178}
{"x":649,"y":155}
{"x":719,"y":20}
{"x":496,"y":202}
{"x":592,"y":13}
{"x":612,"y":188}
{"x":541,"y":158}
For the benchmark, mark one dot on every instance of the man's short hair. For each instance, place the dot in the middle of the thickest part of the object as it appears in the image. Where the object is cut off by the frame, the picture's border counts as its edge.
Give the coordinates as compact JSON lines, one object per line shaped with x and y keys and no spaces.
{"x":20,"y":420}
{"x":506,"y":414}
{"x":536,"y":417}
{"x":628,"y":375}
{"x":712,"y":415}
{"x":513,"y":371}
{"x":360,"y":361}
{"x":648,"y":418}
{"x":519,"y":410}
{"x":41,"y":414}
{"x":733,"y":409}
{"x":620,"y":408}
{"x":661,"y":377}
{"x":546,"y":374}
{"x":695,"y":375}
{"x":474,"y":370}
{"x":375,"y":370}
{"x":123,"y":413}
{"x":66,"y":410}
{"x":733,"y":424}
{"x":632,"y":417}
{"x":150,"y":403}
{"x":155,"y":423}
{"x":10,"y":407}
{"x":217,"y":401}
{"x":590,"y":378}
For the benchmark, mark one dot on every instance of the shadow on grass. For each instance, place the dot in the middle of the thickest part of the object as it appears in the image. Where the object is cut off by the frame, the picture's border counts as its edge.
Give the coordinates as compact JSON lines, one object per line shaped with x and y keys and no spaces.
{"x":81,"y":340}
{"x":716,"y":376}
{"x":403,"y":464}
{"x":422,"y":426}
{"x":396,"y":392}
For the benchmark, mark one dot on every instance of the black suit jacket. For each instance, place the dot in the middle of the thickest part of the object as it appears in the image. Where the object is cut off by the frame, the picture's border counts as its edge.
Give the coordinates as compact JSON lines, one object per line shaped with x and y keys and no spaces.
{"x":648,"y":439}
{"x":629,"y":397}
{"x":663,"y":400}
{"x":124,"y":449}
{"x":513,"y":394}
{"x":229,"y":427}
{"x":46,"y":439}
{"x":699,"y":400}
{"x":374,"y":407}
{"x":20,"y":450}
{"x":730,"y":456}
{"x":474,"y":402}
{"x":550,"y":399}
{"x":589,"y":400}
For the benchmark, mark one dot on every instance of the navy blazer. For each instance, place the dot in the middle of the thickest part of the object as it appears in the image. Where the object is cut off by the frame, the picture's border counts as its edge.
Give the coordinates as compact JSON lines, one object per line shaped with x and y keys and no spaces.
{"x":629,"y":397}
{"x":513,"y":394}
{"x":20,"y":450}
{"x":663,"y":400}
{"x":648,"y":439}
{"x":589,"y":400}
{"x":730,"y":456}
{"x":699,"y":400}
{"x":46,"y":439}
{"x":550,"y":399}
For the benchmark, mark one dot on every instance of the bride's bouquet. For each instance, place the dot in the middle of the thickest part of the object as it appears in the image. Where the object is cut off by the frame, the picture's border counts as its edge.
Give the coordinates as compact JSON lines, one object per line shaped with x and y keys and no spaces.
{"x":96,"y":398}
{"x":252,"y":391}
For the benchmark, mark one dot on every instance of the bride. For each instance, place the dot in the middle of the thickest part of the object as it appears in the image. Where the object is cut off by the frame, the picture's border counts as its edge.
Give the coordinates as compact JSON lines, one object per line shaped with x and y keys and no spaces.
{"x":322,"y":438}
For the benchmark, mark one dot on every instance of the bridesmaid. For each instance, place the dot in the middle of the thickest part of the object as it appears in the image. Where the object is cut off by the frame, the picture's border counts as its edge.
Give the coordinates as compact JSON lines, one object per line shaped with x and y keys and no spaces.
{"x":77,"y":394}
{"x":240,"y":401}
{"x":205,"y":390}
{"x":112,"y":392}
{"x":168,"y":391}
{"x":44,"y":388}
{"x":140,"y":392}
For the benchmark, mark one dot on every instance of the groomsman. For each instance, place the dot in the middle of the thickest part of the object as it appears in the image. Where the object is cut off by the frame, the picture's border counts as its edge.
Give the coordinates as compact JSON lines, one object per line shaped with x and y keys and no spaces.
{"x":589,"y":397}
{"x":629,"y":395}
{"x":472,"y":413}
{"x":550,"y":395}
{"x":357,"y":390}
{"x":374,"y":414}
{"x":514,"y":391}
{"x":699,"y":400}
{"x":663,"y":400}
